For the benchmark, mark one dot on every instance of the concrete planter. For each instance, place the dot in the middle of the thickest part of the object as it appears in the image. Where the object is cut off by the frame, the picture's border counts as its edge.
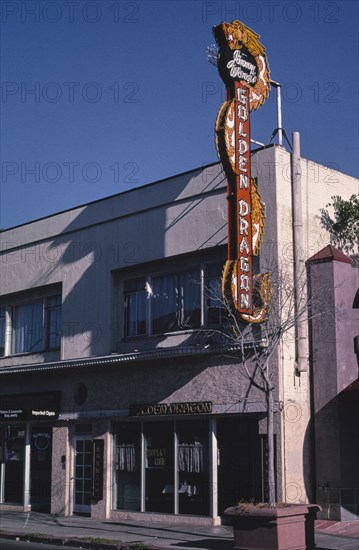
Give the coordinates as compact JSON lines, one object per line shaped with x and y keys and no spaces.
{"x":286,"y":528}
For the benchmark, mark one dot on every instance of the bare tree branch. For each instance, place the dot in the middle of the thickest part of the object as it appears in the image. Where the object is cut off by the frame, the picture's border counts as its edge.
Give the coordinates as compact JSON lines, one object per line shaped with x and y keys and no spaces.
{"x":256,"y":345}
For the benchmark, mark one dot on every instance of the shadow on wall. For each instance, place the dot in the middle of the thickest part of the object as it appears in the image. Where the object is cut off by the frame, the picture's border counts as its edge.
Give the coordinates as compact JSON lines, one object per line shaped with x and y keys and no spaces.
{"x":336,"y":447}
{"x":334,"y":430}
{"x":104,"y":238}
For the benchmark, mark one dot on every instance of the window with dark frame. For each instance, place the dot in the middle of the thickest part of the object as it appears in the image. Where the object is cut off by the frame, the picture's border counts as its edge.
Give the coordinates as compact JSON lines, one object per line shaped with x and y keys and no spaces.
{"x":53,"y":322}
{"x":176,"y":302}
{"x":28,"y":327}
{"x":213,"y":295}
{"x":160,"y":304}
{"x":2,"y":330}
{"x":135,"y":307}
{"x":35,"y":325}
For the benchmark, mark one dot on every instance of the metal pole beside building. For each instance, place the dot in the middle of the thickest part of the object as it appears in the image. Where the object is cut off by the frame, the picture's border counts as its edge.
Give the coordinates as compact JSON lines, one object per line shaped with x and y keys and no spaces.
{"x":301,"y":359}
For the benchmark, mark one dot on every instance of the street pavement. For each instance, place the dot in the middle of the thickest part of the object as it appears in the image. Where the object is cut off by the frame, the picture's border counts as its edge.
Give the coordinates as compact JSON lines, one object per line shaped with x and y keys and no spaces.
{"x":88,"y":533}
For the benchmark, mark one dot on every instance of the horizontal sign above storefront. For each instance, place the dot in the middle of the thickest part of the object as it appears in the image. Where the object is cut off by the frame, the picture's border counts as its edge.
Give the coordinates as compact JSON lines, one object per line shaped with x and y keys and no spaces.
{"x":135,"y":410}
{"x":30,"y":406}
{"x":161,"y":409}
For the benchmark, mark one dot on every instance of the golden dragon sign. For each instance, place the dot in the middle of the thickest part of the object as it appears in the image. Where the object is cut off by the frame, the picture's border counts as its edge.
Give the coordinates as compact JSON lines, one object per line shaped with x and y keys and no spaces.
{"x":243,"y":66}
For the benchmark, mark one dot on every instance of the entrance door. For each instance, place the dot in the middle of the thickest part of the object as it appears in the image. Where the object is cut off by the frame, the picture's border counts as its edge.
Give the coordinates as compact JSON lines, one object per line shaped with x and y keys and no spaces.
{"x":12,"y":457}
{"x":239,"y":454}
{"x":40,"y":470}
{"x":82,"y":488}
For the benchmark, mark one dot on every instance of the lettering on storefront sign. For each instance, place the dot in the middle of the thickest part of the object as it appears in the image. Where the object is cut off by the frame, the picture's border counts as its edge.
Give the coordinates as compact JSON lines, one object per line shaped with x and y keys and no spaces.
{"x":11,"y":414}
{"x":241,"y":68}
{"x":156,"y":458}
{"x":160,"y":409}
{"x":43,"y":413}
{"x":97,"y":467}
{"x":30,"y":406}
{"x":244,"y":207}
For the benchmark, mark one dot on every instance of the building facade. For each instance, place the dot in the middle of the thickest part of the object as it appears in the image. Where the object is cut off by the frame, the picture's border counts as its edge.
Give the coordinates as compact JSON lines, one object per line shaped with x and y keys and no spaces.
{"x":334,"y":378}
{"x":119,"y":399}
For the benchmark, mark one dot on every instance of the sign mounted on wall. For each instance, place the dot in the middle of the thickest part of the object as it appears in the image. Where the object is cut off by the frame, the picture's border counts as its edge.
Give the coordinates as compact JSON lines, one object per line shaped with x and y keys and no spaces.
{"x":37,"y":406}
{"x":243,"y":66}
{"x":97,"y":468}
{"x":160,"y":409}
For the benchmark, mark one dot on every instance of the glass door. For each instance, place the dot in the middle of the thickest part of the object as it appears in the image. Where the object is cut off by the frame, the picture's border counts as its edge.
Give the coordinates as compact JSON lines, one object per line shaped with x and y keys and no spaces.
{"x":82,"y":478}
{"x":12,"y":464}
{"x":40,"y":470}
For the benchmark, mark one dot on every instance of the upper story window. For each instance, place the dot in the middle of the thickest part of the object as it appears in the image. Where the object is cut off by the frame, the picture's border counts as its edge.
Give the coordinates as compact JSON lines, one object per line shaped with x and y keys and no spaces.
{"x":135,"y":306}
{"x":2,"y":330}
{"x":53,"y":312}
{"x":175,"y":302}
{"x":30,"y":325}
{"x":213,"y":295}
{"x":185,"y":300}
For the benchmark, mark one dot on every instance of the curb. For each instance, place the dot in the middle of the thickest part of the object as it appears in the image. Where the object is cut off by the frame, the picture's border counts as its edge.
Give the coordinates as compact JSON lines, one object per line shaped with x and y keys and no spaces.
{"x":77,"y":542}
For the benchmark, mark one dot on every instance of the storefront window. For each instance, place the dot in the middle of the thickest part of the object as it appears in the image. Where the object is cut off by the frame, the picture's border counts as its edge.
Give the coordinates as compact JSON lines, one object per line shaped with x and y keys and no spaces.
{"x":159,"y":467}
{"x":13,"y":463}
{"x":128,"y":467}
{"x":172,"y":483}
{"x":193,"y":474}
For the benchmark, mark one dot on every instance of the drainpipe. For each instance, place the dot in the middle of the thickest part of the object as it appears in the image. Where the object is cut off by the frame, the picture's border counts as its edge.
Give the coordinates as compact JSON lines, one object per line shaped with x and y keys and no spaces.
{"x":301,"y":352}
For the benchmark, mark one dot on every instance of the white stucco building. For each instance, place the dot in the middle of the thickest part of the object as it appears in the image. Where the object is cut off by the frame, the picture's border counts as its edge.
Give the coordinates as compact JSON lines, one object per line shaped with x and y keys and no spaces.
{"x":115,"y":402}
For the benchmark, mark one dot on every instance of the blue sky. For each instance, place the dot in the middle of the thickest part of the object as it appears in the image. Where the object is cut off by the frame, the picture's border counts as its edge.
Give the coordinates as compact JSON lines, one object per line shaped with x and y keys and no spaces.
{"x":101,"y":96}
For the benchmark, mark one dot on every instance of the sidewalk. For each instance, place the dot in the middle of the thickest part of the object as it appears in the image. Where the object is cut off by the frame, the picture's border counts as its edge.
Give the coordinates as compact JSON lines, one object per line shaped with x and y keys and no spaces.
{"x":88,"y":533}
{"x":336,"y":535}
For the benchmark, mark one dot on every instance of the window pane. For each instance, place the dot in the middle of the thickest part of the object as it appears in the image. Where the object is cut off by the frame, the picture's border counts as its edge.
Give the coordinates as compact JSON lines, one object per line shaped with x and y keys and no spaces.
{"x":193,"y":467}
{"x":29,"y":327}
{"x":215,"y":309}
{"x":135,"y":284}
{"x":54,"y":322}
{"x":164,"y":304}
{"x":159,"y":464}
{"x":190,"y":286}
{"x":136,"y":313}
{"x":128,"y":467}
{"x":131,"y":308}
{"x":53,"y":301}
{"x":2,"y":330}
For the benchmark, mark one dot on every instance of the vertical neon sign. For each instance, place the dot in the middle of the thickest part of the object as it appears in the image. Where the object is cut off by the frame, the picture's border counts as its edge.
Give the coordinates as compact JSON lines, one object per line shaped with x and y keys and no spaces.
{"x":242,"y":64}
{"x":243,"y":200}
